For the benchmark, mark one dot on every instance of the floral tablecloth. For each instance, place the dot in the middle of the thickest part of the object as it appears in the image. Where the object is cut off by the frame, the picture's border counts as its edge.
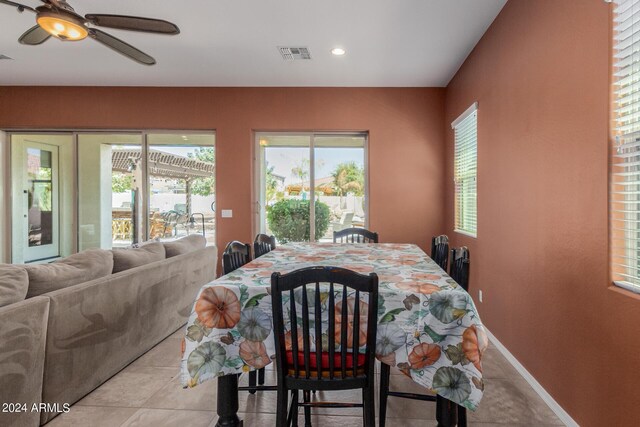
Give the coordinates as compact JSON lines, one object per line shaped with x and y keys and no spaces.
{"x":428,"y":326}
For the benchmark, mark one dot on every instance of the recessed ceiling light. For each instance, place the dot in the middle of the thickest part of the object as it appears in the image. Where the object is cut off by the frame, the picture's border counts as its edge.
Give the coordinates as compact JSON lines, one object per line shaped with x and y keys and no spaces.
{"x":338,"y":51}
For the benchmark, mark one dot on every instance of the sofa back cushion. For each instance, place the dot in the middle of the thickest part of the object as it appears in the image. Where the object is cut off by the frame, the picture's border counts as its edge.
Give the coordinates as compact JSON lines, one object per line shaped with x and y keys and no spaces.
{"x":77,"y":268}
{"x":185,"y":245}
{"x":14,"y":283}
{"x":124,"y":259}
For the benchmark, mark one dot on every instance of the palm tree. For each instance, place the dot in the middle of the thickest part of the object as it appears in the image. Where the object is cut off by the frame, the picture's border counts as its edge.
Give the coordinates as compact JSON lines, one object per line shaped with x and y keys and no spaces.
{"x":348,"y":177}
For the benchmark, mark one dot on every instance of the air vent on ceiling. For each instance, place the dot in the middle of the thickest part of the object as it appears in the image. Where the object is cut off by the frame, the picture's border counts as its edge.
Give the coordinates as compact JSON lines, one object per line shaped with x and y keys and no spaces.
{"x":294,"y":53}
{"x":5,"y":57}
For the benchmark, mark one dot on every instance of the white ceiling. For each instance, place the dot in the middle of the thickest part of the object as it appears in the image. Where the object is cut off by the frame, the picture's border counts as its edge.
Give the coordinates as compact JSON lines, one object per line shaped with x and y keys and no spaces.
{"x":233,"y":43}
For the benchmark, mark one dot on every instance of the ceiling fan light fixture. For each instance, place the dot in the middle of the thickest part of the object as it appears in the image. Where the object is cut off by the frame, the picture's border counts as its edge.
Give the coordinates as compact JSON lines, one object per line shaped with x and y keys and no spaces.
{"x":63,"y":26}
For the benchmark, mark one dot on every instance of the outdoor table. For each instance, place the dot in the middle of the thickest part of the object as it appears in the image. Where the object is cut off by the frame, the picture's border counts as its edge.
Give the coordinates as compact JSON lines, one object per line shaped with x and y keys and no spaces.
{"x":428,"y":326}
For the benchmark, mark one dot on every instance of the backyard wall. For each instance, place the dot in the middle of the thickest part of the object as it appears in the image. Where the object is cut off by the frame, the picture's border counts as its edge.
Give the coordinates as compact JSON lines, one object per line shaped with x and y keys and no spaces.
{"x":404,"y":124}
{"x":541,"y":77}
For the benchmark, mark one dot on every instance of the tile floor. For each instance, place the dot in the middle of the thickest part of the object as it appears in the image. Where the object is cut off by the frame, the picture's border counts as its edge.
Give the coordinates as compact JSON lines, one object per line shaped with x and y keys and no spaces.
{"x":148,"y":393}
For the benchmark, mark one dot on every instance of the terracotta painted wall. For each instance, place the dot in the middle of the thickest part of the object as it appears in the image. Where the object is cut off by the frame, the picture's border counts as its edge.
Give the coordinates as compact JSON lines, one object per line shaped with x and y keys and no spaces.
{"x":405,"y":138}
{"x":541,"y":78}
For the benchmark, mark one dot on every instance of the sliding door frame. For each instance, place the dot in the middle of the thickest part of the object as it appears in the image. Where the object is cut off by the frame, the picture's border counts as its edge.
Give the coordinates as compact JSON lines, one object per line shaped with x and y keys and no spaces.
{"x":6,"y":180}
{"x":257,"y":169}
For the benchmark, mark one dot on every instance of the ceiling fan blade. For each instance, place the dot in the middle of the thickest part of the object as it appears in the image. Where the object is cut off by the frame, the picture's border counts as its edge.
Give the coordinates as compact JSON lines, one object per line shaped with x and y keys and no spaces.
{"x":34,"y":36}
{"x":133,"y":23}
{"x":21,"y":7}
{"x":121,"y":47}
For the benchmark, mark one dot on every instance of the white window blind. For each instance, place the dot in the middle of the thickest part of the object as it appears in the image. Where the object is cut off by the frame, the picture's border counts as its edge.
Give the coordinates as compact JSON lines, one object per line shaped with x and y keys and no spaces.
{"x":625,"y":170}
{"x":465,"y":171}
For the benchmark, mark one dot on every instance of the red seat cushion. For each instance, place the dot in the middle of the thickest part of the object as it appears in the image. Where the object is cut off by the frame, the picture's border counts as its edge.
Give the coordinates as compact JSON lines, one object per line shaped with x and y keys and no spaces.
{"x":337,"y":362}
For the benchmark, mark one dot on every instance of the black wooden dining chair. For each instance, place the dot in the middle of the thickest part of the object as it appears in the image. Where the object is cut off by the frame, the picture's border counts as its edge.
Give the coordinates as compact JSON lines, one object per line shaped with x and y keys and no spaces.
{"x":355,"y":235}
{"x":460,"y":266}
{"x":440,"y":250}
{"x":460,"y":273}
{"x":263,"y":244}
{"x":235,"y":255}
{"x":338,"y":364}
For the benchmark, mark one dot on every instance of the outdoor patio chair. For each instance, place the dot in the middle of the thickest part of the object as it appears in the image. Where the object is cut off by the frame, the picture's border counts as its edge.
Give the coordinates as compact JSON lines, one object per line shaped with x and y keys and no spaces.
{"x":304,"y":364}
{"x":346,"y":221}
{"x":355,"y":235}
{"x":440,"y":251}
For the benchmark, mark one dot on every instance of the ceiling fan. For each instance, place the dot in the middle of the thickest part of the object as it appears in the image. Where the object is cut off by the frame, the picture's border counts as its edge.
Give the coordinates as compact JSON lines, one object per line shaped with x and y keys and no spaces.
{"x":56,"y":18}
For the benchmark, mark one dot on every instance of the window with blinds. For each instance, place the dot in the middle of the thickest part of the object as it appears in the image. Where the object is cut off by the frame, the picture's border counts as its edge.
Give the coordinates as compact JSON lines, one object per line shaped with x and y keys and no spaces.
{"x":465,"y":171}
{"x":625,"y":170}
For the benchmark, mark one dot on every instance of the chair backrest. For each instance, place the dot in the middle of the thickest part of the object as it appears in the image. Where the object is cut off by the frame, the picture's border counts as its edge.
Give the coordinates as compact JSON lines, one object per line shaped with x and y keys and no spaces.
{"x":235,"y":255}
{"x":440,"y":251}
{"x":460,"y":266}
{"x":355,"y":235}
{"x":263,"y":244}
{"x":303,"y":361}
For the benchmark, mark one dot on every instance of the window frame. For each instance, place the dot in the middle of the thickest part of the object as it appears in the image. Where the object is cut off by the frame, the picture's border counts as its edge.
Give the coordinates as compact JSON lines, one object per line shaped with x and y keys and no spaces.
{"x":459,"y":177}
{"x":624,"y":202}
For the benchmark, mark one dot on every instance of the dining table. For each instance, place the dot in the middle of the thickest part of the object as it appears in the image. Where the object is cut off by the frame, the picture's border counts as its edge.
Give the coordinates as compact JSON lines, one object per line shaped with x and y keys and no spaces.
{"x":428,"y":326}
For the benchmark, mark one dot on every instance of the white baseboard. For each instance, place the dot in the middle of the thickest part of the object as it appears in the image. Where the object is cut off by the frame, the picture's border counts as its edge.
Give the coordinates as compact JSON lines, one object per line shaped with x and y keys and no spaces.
{"x":537,"y":387}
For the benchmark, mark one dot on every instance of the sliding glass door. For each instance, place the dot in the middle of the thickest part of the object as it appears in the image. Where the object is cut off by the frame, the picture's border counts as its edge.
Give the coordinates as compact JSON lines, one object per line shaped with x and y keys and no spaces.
{"x":310,"y":184}
{"x":109,"y":190}
{"x":73,"y":191}
{"x":181,"y":177}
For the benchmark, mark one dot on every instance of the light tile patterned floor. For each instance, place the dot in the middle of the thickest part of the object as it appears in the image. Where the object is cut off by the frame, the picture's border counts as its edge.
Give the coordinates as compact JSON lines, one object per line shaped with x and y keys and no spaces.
{"x":148,"y":393}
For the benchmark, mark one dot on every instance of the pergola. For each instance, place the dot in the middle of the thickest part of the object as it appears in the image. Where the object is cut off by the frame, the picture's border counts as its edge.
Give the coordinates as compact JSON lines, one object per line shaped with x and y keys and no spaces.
{"x":163,"y":165}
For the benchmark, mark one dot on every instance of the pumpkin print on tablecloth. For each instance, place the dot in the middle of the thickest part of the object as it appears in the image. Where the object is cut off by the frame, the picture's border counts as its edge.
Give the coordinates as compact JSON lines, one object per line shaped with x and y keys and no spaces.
{"x":288,"y":342}
{"x":254,"y":354}
{"x":389,"y":359}
{"x":424,"y":355}
{"x":421,"y":288}
{"x":474,"y":342}
{"x":362,"y":326}
{"x":452,"y":384}
{"x":218,"y":307}
{"x":448,"y":306}
{"x":389,"y":338}
{"x":258,"y":264}
{"x":359,"y":268}
{"x":425,"y":276}
{"x":254,"y":324}
{"x":206,"y":359}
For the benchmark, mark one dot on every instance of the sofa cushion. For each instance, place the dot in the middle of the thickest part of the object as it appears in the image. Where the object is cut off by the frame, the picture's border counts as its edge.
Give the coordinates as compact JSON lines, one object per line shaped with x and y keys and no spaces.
{"x":14,"y":283}
{"x":124,"y":259}
{"x":77,"y":268}
{"x":185,"y":245}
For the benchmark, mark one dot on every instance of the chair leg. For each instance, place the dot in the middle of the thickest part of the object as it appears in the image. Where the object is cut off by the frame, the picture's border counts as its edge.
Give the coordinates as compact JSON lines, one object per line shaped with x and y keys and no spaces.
{"x":293,"y":411}
{"x":385,"y":376}
{"x":307,"y":410}
{"x":462,"y":416}
{"x":252,"y":381}
{"x":261,"y":376}
{"x":281,"y":407}
{"x":369,"y":405}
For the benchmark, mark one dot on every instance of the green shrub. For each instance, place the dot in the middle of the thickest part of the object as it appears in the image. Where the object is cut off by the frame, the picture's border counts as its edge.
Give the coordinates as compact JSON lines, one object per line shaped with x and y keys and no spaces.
{"x":289,"y":220}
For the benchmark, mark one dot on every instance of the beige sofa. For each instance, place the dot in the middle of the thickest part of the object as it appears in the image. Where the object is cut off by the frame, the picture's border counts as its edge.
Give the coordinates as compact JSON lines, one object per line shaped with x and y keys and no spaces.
{"x":79,"y":336}
{"x":23,"y":328}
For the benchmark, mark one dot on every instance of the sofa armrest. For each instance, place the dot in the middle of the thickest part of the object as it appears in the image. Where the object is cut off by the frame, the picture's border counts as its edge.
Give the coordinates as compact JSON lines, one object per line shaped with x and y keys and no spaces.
{"x":23,"y":330}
